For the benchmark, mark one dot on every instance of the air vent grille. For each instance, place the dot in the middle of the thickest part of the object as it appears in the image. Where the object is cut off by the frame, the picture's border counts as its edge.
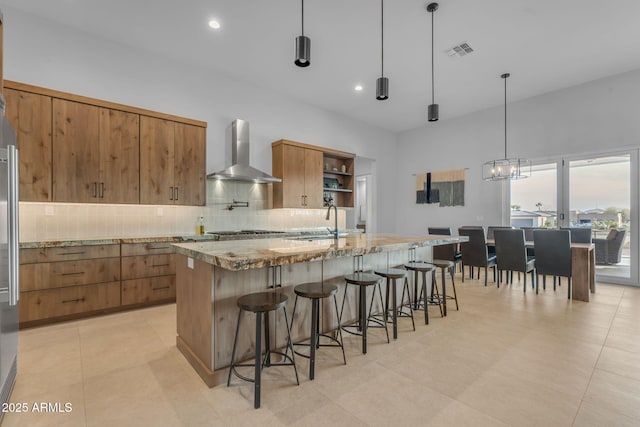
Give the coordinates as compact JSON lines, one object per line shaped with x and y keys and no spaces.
{"x":461,"y":49}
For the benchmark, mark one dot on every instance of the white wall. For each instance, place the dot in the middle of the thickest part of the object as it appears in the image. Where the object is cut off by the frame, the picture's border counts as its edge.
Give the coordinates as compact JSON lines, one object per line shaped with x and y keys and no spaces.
{"x":593,"y":117}
{"x":45,"y":53}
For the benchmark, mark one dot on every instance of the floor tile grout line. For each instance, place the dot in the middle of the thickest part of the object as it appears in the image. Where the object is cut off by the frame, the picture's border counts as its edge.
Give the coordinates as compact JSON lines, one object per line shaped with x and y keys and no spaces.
{"x":598,"y":358}
{"x":84,"y":394}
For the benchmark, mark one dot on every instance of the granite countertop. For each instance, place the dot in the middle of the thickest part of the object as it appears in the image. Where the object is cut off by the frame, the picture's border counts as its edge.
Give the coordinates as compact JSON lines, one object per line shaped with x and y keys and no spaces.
{"x":210,"y":236}
{"x":243,"y":255}
{"x":113,"y":241}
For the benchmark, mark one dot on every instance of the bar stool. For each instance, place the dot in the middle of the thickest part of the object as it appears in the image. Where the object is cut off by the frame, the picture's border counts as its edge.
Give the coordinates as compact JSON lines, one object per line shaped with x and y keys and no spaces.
{"x":423,"y":268}
{"x":392,"y":274}
{"x":444,"y":265}
{"x":363,"y":280}
{"x":316,"y":291}
{"x":261,"y":304}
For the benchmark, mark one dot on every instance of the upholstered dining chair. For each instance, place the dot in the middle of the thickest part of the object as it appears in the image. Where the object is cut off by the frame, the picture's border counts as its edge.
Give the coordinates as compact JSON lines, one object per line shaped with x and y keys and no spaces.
{"x":475,"y":252}
{"x":511,"y":254}
{"x":579,"y":234}
{"x":553,"y":256}
{"x":445,"y":252}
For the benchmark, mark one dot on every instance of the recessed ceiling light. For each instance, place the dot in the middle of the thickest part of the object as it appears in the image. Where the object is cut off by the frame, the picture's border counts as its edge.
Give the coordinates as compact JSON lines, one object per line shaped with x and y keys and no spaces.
{"x":358,"y":88}
{"x":214,"y":24}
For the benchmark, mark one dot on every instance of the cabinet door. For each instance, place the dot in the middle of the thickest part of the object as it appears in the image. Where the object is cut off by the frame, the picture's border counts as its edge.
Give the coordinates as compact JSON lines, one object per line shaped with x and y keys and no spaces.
{"x":313,"y":174}
{"x":189,"y":164}
{"x":75,"y":151}
{"x":119,"y":157}
{"x":293,"y":176}
{"x":30,"y":116}
{"x":156,"y":161}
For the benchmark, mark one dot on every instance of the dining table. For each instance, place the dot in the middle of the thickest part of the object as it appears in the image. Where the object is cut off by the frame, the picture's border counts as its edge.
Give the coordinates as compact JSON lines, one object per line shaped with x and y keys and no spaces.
{"x":583,"y":268}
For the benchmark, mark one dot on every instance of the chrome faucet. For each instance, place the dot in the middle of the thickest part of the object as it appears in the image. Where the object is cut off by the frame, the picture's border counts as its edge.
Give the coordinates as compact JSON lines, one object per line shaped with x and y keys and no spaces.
{"x":334,"y":231}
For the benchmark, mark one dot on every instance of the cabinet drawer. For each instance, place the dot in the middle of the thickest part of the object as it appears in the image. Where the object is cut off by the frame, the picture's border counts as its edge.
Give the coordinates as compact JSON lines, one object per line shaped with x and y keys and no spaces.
{"x":48,"y":275}
{"x":136,"y":267}
{"x":149,"y":248}
{"x":37,"y":305}
{"x":147,"y":290}
{"x":68,"y":253}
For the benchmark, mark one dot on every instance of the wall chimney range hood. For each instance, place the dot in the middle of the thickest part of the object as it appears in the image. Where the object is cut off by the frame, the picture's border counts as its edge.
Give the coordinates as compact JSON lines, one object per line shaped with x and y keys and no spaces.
{"x":240,"y":170}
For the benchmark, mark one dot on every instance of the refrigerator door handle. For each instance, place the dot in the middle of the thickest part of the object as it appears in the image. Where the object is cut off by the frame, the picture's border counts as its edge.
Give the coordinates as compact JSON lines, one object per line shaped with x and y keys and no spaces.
{"x":14,"y":250}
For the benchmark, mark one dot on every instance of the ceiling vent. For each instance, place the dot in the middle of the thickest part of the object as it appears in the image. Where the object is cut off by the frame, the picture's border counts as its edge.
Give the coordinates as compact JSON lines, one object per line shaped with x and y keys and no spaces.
{"x":462,"y":49}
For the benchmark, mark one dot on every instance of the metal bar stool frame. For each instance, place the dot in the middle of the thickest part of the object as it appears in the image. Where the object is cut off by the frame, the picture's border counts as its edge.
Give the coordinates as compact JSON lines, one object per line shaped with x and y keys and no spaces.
{"x":315,"y":326}
{"x":422,"y":299}
{"x":259,"y":360}
{"x":362,"y":323}
{"x":391,"y":275}
{"x":444,"y":265}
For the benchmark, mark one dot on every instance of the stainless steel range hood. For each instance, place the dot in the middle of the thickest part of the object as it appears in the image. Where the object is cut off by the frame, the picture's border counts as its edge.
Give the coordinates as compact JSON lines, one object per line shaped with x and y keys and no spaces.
{"x":240,"y":169}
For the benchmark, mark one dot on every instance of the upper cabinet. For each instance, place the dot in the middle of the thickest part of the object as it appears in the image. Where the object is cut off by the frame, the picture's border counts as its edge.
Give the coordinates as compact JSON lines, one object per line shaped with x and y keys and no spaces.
{"x":30,"y":116}
{"x":95,"y":154}
{"x":172,"y":162}
{"x":312,"y":177}
{"x":77,"y":149}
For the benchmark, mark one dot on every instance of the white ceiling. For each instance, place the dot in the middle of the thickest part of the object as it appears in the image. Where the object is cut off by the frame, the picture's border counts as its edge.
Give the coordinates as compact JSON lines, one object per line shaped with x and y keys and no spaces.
{"x":546,"y":45}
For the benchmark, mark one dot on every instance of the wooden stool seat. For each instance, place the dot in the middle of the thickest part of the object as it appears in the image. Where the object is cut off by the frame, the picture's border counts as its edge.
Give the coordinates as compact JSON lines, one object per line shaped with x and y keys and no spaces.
{"x":315,"y":290}
{"x":262,"y":301}
{"x":362,"y":279}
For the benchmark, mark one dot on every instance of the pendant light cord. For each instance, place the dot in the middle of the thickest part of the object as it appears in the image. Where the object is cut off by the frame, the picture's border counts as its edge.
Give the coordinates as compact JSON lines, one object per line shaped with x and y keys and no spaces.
{"x":382,"y":38}
{"x":505,"y":116}
{"x":433,"y":95}
{"x":302,"y":16}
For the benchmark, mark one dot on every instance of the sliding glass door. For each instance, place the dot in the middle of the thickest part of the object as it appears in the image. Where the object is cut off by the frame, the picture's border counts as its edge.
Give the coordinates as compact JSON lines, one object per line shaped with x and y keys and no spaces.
{"x":598,"y":192}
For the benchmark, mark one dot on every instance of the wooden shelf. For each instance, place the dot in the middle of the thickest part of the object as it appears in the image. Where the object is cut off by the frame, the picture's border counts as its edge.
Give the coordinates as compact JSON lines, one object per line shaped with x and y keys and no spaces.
{"x":338,"y":190}
{"x":337,"y":173}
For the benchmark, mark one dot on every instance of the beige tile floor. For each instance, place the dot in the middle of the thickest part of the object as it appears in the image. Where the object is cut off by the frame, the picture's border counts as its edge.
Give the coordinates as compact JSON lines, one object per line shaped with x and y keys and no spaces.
{"x":506,"y":358}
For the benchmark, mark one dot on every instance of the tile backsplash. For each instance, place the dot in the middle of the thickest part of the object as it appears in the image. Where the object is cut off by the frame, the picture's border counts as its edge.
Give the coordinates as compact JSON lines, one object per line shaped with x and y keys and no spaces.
{"x":68,"y":221}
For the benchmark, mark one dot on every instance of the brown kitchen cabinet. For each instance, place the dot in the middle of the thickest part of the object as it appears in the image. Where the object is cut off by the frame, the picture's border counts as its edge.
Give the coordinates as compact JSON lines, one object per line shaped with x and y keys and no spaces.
{"x":30,"y":116}
{"x":303,"y":169}
{"x":148,"y":273}
{"x":300,"y":169}
{"x":95,"y":154}
{"x":68,"y":282}
{"x":172,"y":162}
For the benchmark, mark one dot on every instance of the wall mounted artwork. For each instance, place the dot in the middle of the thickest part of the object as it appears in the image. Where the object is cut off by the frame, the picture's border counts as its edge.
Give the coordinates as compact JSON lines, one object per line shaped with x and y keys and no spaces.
{"x":443,"y":187}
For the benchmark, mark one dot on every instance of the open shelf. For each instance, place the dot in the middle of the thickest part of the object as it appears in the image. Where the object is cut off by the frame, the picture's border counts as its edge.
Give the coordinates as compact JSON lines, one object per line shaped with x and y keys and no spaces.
{"x":327,"y":171}
{"x":338,"y":190}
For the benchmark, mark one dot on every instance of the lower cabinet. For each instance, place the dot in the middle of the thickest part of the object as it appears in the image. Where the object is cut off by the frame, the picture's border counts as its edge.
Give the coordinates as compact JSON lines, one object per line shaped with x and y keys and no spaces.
{"x":69,"y":282}
{"x":148,"y":273}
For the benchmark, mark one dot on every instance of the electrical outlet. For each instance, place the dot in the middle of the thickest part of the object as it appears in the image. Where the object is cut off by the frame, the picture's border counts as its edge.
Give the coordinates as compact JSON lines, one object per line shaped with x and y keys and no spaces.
{"x":159,"y":212}
{"x":48,"y":210}
{"x":479,"y":218}
{"x":190,"y":262}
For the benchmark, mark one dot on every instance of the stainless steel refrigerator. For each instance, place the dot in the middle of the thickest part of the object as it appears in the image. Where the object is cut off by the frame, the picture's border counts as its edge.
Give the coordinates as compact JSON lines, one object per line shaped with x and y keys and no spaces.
{"x":9,"y":292}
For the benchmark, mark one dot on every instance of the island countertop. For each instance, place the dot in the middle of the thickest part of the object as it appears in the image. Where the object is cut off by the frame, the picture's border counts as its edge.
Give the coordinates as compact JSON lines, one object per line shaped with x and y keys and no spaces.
{"x":248,"y":254}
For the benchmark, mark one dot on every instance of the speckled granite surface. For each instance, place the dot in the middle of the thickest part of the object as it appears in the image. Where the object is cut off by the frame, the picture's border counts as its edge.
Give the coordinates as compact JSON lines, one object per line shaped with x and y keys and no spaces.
{"x":246,"y":254}
{"x":113,"y":241}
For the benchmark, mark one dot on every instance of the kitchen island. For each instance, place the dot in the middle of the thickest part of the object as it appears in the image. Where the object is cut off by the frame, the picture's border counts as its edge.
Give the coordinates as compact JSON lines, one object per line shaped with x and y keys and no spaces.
{"x":212,"y":275}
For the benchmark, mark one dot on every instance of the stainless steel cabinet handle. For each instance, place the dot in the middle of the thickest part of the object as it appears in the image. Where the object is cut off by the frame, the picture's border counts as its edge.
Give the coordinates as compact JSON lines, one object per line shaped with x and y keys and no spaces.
{"x":158,"y":289}
{"x":177,"y":198}
{"x":73,"y":274}
{"x":73,"y":253}
{"x":102,"y":190}
{"x":160,"y":265}
{"x":171,"y":197}
{"x":14,"y":226}
{"x":94,"y":193}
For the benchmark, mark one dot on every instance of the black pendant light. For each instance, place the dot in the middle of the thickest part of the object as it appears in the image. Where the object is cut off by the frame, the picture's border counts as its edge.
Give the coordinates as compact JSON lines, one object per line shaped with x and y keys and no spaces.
{"x":382,"y":84}
{"x":434,"y":109}
{"x":303,"y":46}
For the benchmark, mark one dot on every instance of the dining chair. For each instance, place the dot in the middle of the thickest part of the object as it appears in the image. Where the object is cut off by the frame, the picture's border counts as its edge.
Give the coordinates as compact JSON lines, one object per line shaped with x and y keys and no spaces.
{"x":511,"y":255}
{"x":579,"y":234}
{"x":475,"y":252}
{"x":445,"y":252}
{"x":553,"y":256}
